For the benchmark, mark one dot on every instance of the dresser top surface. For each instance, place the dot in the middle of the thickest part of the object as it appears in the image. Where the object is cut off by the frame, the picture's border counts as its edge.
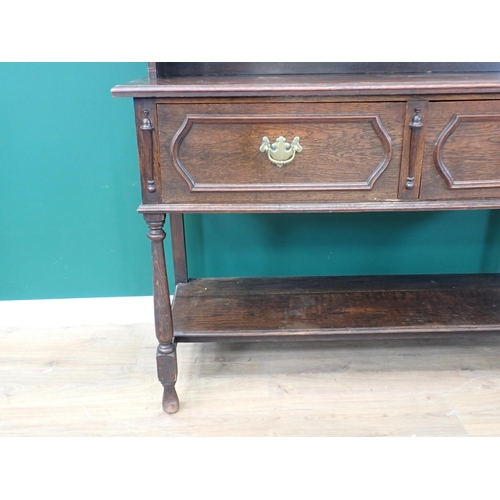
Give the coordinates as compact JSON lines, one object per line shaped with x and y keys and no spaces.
{"x":312,"y":85}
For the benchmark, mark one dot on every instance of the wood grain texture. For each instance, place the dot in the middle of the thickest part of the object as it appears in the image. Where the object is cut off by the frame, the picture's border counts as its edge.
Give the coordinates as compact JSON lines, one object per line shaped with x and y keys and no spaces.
{"x":371,"y":206}
{"x":147,"y":145}
{"x":343,"y":152}
{"x":166,"y":359}
{"x":312,"y":85}
{"x":101,"y":381}
{"x":470,"y":146}
{"x":462,"y":151}
{"x":272,"y":308}
{"x":162,"y":309}
{"x":413,"y":152}
{"x":210,"y":152}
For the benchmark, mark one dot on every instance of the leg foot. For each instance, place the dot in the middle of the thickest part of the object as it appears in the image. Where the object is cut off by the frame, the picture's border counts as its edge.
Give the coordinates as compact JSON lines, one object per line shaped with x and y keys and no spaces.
{"x":170,"y":401}
{"x":166,"y":361}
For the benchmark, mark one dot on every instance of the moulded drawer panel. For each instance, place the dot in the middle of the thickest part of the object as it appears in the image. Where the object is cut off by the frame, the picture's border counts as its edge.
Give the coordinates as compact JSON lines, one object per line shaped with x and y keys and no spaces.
{"x":462,"y":151}
{"x":347,"y":151}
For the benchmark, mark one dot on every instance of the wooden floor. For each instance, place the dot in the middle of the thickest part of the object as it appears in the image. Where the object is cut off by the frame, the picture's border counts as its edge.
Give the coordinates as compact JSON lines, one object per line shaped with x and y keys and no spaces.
{"x":101,"y":381}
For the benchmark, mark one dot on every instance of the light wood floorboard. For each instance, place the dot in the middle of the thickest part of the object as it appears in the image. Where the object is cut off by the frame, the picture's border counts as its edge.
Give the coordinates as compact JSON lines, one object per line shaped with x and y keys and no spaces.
{"x":101,"y":381}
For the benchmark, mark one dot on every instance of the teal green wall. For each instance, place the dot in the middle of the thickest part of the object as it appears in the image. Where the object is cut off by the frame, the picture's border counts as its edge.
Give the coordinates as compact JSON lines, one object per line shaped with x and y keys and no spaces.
{"x":68,"y":183}
{"x":344,"y":244}
{"x":69,"y":190}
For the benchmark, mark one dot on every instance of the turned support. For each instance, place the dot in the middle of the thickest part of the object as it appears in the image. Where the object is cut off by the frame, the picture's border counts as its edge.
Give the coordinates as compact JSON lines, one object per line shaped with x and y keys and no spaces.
{"x":166,"y":358}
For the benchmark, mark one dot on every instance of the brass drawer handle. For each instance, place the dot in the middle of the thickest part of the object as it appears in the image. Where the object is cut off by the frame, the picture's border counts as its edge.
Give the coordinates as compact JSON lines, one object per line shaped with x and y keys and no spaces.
{"x":280,"y":152}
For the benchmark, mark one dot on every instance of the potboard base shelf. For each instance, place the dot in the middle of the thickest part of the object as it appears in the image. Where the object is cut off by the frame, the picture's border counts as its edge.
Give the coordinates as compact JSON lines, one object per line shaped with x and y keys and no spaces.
{"x":315,"y":308}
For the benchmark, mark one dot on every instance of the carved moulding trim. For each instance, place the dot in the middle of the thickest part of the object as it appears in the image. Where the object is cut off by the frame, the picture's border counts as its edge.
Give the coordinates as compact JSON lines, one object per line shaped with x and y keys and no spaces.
{"x":194,"y":186}
{"x":438,"y":152}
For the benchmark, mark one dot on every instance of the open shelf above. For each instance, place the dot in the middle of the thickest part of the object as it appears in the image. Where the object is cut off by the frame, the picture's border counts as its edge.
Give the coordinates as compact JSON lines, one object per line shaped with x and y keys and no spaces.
{"x":166,"y":69}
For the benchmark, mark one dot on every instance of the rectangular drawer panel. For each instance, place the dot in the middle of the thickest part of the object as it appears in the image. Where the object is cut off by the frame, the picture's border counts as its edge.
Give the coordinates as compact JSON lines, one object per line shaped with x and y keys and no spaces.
{"x":233,"y":151}
{"x":462,"y":151}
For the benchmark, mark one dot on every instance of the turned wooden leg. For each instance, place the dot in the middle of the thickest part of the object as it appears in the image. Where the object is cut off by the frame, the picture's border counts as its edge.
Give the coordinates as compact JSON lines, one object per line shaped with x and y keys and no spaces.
{"x":165,"y":356}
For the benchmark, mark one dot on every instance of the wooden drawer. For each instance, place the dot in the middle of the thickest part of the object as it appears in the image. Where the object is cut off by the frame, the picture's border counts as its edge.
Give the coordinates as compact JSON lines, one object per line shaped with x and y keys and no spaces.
{"x":212,"y":152}
{"x":462,"y":151}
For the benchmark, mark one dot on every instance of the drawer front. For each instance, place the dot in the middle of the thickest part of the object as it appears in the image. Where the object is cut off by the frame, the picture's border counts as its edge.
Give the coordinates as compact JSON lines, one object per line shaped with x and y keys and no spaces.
{"x":462,"y":151}
{"x":280,"y":152}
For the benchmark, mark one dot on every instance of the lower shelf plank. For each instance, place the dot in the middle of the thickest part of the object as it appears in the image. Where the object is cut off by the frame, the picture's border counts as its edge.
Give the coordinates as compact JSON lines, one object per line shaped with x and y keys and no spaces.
{"x":310,"y":308}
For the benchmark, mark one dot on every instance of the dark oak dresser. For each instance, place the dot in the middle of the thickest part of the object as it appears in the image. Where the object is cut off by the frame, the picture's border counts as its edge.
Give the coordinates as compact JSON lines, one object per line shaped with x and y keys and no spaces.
{"x":314,"y":137}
